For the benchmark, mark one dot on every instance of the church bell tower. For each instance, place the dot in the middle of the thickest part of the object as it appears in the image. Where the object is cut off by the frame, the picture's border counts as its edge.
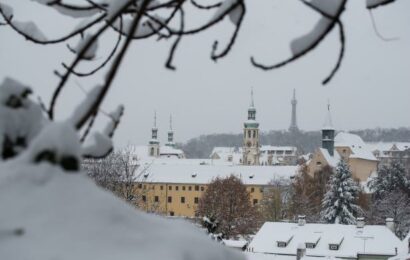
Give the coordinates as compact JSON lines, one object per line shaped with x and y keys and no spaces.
{"x":251,"y":150}
{"x":153,"y":147}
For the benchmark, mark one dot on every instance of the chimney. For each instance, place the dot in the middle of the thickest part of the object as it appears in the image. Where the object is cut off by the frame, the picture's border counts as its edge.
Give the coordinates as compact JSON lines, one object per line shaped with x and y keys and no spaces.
{"x":390,"y":224}
{"x":300,"y":251}
{"x":301,"y":220}
{"x":360,"y":222}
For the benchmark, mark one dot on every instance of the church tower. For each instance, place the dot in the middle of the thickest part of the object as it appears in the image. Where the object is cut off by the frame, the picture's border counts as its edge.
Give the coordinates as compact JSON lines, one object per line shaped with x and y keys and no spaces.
{"x":328,"y":133}
{"x":251,"y":137}
{"x":293,"y":125}
{"x":170,"y":134}
{"x":153,"y":147}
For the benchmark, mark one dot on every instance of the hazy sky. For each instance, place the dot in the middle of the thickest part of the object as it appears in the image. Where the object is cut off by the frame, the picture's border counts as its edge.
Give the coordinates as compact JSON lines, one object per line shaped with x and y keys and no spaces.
{"x":372,"y":88}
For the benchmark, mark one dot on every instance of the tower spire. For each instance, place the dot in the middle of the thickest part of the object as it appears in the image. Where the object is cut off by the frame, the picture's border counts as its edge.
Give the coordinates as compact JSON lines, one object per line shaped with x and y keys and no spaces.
{"x":328,"y":133}
{"x":252,"y":103}
{"x":170,"y":134}
{"x":153,"y":148}
{"x":293,"y":125}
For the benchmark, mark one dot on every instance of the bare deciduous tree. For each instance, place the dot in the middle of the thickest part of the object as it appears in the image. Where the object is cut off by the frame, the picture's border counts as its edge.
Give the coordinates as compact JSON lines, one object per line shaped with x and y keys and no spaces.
{"x":227,"y":203}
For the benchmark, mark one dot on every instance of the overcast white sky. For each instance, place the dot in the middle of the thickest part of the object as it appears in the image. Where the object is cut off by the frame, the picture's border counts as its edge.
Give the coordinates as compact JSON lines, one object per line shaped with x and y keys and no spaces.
{"x":372,"y":88}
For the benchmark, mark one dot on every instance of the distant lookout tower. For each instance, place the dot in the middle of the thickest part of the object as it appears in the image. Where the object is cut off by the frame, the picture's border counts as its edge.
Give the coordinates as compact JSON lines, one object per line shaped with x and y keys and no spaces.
{"x":293,"y":124}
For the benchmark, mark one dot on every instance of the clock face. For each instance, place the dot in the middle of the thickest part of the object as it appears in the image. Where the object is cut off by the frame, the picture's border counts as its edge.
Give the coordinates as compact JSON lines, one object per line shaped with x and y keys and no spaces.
{"x":249,"y":144}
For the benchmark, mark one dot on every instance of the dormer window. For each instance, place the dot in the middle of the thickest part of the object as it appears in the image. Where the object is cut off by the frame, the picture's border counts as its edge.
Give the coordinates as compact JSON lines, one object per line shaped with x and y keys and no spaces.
{"x":333,"y":247}
{"x":251,"y":176}
{"x":193,"y":175}
{"x":284,"y":242}
{"x":310,"y":245}
{"x":146,"y":175}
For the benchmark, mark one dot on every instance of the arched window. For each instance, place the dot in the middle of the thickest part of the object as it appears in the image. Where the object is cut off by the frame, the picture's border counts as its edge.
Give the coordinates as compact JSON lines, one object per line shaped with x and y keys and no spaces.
{"x":152,"y":151}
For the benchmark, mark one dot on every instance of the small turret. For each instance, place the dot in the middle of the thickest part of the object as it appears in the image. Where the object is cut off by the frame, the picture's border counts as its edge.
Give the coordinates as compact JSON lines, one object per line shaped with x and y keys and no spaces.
{"x":153,"y":148}
{"x":170,"y":134}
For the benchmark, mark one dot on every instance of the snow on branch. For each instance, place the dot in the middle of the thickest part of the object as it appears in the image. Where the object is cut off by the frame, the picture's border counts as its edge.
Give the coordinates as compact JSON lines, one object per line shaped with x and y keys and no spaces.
{"x":331,"y":12}
{"x":89,"y":54}
{"x":85,"y":106}
{"x":371,"y":4}
{"x":101,"y":144}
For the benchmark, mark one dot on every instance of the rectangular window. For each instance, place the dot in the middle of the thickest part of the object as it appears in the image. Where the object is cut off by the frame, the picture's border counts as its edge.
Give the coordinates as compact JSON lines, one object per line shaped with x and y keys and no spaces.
{"x":171,"y":213}
{"x":156,"y":199}
{"x":161,"y":187}
{"x":144,"y":198}
{"x":196,"y":200}
{"x":169,"y":199}
{"x":255,"y":201}
{"x":189,"y":188}
{"x":176,"y":188}
{"x":196,"y":187}
{"x":202,"y":188}
{"x":183,"y":187}
{"x":139,"y":186}
{"x":169,"y":187}
{"x":182,"y":199}
{"x":252,"y":189}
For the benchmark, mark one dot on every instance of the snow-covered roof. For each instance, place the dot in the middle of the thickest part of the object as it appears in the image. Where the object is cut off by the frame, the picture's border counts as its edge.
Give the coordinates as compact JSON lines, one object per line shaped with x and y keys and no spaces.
{"x":47,"y":213}
{"x":371,"y":239}
{"x":331,"y":160}
{"x":232,"y":154}
{"x":234,"y":243}
{"x":204,"y":174}
{"x":387,"y":146}
{"x":140,"y":152}
{"x":165,"y":150}
{"x":277,"y":148}
{"x":355,"y":143}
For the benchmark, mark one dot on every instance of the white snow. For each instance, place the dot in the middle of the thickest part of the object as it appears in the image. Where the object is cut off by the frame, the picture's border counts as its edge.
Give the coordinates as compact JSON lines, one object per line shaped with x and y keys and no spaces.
{"x":235,"y":14}
{"x":114,"y":118}
{"x":331,"y":160}
{"x":49,"y":213}
{"x":329,"y":7}
{"x":226,"y":5}
{"x":145,"y":28}
{"x":204,"y":174}
{"x":355,"y":143}
{"x":85,"y":106}
{"x":58,"y":137}
{"x":91,"y":51}
{"x":25,"y":121}
{"x":7,"y":10}
{"x":375,"y":3}
{"x":304,"y":42}
{"x":30,"y":29}
{"x":99,"y":145}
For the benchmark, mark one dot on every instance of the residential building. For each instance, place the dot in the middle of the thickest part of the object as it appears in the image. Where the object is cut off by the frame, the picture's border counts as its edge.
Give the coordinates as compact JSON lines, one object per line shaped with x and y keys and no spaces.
{"x":280,"y":239}
{"x":387,"y":152}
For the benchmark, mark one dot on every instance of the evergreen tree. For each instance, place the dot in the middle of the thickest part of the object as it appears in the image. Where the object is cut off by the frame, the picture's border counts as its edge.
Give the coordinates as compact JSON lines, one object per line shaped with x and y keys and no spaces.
{"x":390,"y":178}
{"x":339,"y":202}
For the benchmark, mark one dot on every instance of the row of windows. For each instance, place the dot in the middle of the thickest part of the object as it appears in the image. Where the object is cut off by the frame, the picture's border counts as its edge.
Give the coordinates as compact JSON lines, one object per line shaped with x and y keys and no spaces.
{"x":252,"y":190}
{"x":161,"y":187}
{"x":182,"y":199}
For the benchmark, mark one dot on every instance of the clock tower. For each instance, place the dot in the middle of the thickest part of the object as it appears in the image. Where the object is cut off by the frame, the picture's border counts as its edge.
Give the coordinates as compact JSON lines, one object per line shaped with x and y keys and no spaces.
{"x":251,"y":150}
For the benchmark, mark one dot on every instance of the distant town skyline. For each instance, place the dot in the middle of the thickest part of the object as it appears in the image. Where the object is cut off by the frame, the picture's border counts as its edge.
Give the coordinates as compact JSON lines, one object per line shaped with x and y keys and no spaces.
{"x":370,"y":90}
